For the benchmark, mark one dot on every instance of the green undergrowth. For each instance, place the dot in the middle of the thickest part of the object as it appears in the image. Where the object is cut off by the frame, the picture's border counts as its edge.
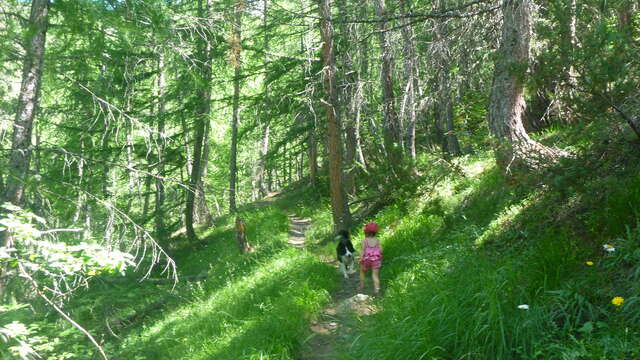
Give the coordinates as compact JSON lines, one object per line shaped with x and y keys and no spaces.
{"x":489,"y":267}
{"x":226,"y":305}
{"x":254,"y":306}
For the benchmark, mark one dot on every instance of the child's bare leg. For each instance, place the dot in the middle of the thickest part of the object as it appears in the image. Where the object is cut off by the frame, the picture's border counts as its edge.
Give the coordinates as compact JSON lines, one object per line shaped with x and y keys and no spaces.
{"x":375,"y":274}
{"x":361,"y":278}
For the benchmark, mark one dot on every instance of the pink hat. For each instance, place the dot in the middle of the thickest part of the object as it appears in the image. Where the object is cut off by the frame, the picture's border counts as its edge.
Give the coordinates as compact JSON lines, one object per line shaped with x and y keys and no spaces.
{"x":371,"y":227}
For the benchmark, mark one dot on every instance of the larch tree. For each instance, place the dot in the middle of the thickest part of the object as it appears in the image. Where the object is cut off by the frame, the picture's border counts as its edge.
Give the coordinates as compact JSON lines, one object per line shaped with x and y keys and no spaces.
{"x":235,"y":60}
{"x":27,"y":106}
{"x":391,"y":126}
{"x":339,"y":205}
{"x":27,"y":102}
{"x":202,"y":117}
{"x":514,"y":148}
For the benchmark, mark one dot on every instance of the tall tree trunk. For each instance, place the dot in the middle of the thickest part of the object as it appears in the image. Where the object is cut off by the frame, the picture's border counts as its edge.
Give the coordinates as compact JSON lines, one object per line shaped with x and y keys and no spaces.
{"x":408,"y":103}
{"x":236,"y":60}
{"x":264,"y":144}
{"x":514,"y":149}
{"x":339,"y":206}
{"x":363,"y":72}
{"x":349,"y":100}
{"x":313,"y":152}
{"x":18,"y":168}
{"x":161,"y":144}
{"x":203,"y":214}
{"x":392,"y":128}
{"x":27,"y":102}
{"x":147,"y":195}
{"x":452,"y":146}
{"x":306,"y":48}
{"x":201,"y":119}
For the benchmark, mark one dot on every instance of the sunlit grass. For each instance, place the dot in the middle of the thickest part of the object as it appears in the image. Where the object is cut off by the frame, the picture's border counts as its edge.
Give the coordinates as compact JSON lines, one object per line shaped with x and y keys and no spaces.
{"x":486,"y":270}
{"x":257,"y":305}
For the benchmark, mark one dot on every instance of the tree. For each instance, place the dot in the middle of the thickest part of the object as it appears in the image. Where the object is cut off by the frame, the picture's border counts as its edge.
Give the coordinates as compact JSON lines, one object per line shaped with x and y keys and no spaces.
{"x":201,"y":118}
{"x":514,"y":148}
{"x":25,"y":115}
{"x":391,"y":126}
{"x":27,"y":102}
{"x":237,"y":73}
{"x":411,"y":82}
{"x":339,"y":206}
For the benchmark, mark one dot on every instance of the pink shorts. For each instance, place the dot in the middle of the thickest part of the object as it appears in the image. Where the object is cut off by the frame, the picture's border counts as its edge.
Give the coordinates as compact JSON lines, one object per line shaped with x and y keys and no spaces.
{"x":366,"y":264}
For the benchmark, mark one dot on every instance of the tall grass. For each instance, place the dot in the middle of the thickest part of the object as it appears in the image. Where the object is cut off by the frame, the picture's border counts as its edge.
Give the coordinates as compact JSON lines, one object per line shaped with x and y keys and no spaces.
{"x":253,"y":306}
{"x":459,"y":264}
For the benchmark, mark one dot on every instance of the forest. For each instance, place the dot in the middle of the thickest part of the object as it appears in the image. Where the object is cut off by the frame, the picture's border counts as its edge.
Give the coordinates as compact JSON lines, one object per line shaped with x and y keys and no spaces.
{"x":173,"y":174}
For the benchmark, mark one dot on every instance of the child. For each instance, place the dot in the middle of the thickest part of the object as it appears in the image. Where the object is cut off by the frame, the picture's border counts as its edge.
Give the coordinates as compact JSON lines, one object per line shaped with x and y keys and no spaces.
{"x":371,"y":256}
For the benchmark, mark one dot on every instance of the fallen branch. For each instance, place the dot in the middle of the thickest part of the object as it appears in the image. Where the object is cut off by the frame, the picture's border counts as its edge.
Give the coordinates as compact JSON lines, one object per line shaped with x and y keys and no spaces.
{"x":26,"y":275}
{"x":133,"y":318}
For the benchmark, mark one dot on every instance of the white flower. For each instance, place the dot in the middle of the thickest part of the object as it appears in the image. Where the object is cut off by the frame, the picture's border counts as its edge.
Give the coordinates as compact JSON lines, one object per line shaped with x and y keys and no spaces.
{"x":608,"y":248}
{"x":523,"y":307}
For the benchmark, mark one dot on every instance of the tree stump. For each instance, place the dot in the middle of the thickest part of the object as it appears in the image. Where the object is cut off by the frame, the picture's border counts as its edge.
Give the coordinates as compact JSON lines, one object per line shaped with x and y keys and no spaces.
{"x":241,"y":236}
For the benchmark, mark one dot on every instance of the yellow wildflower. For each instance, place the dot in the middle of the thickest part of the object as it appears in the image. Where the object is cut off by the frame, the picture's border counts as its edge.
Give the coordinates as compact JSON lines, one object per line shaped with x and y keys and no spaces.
{"x":589,"y":263}
{"x":617,"y":301}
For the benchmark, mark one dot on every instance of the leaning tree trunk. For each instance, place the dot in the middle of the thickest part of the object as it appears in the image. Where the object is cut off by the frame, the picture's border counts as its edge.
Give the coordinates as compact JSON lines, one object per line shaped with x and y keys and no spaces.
{"x":339,"y":206}
{"x":233,"y":166}
{"x":26,"y":110}
{"x":27,"y":102}
{"x":204,"y":95}
{"x":514,"y":149}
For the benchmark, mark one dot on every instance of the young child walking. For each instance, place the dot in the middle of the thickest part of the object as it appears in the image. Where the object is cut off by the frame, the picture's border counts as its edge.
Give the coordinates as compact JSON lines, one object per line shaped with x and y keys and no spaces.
{"x":371,"y":256}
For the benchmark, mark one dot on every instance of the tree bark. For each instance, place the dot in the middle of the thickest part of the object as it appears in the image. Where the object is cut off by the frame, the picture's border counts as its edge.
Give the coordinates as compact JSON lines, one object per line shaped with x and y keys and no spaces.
{"x":18,"y":168}
{"x":236,"y":60}
{"x":514,"y":148}
{"x":203,"y":214}
{"x":313,"y":153}
{"x":408,"y":103}
{"x":349,"y":100}
{"x":27,"y":102}
{"x":363,"y":72}
{"x":161,"y":144}
{"x":452,"y":146}
{"x":391,"y":129}
{"x":201,"y":119}
{"x":312,"y":142}
{"x":264,"y":144}
{"x":339,"y":206}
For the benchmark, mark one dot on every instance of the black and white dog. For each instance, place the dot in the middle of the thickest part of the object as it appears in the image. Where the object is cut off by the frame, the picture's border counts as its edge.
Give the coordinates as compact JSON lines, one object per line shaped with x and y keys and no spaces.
{"x":346,"y":253}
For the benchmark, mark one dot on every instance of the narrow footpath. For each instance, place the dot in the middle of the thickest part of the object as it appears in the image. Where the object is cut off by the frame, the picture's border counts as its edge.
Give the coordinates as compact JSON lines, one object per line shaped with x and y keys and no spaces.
{"x":337,"y":319}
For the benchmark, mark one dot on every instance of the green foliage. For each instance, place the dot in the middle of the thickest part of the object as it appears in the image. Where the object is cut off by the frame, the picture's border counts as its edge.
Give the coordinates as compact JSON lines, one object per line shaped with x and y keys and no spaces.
{"x":54,"y":268}
{"x":57,"y":262}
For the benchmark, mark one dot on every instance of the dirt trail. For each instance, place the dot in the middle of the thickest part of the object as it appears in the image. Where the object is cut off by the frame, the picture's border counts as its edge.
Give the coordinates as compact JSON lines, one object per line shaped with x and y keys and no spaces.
{"x":338,"y":317}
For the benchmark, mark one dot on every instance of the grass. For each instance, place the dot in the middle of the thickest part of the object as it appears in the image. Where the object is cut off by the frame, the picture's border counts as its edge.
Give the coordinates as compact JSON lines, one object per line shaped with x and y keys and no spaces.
{"x":460,"y":258}
{"x":459,"y":263}
{"x":251,"y":307}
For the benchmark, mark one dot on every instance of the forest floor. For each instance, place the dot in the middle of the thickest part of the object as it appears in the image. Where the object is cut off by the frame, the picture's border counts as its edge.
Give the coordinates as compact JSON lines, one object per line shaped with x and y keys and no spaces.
{"x":336,"y":320}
